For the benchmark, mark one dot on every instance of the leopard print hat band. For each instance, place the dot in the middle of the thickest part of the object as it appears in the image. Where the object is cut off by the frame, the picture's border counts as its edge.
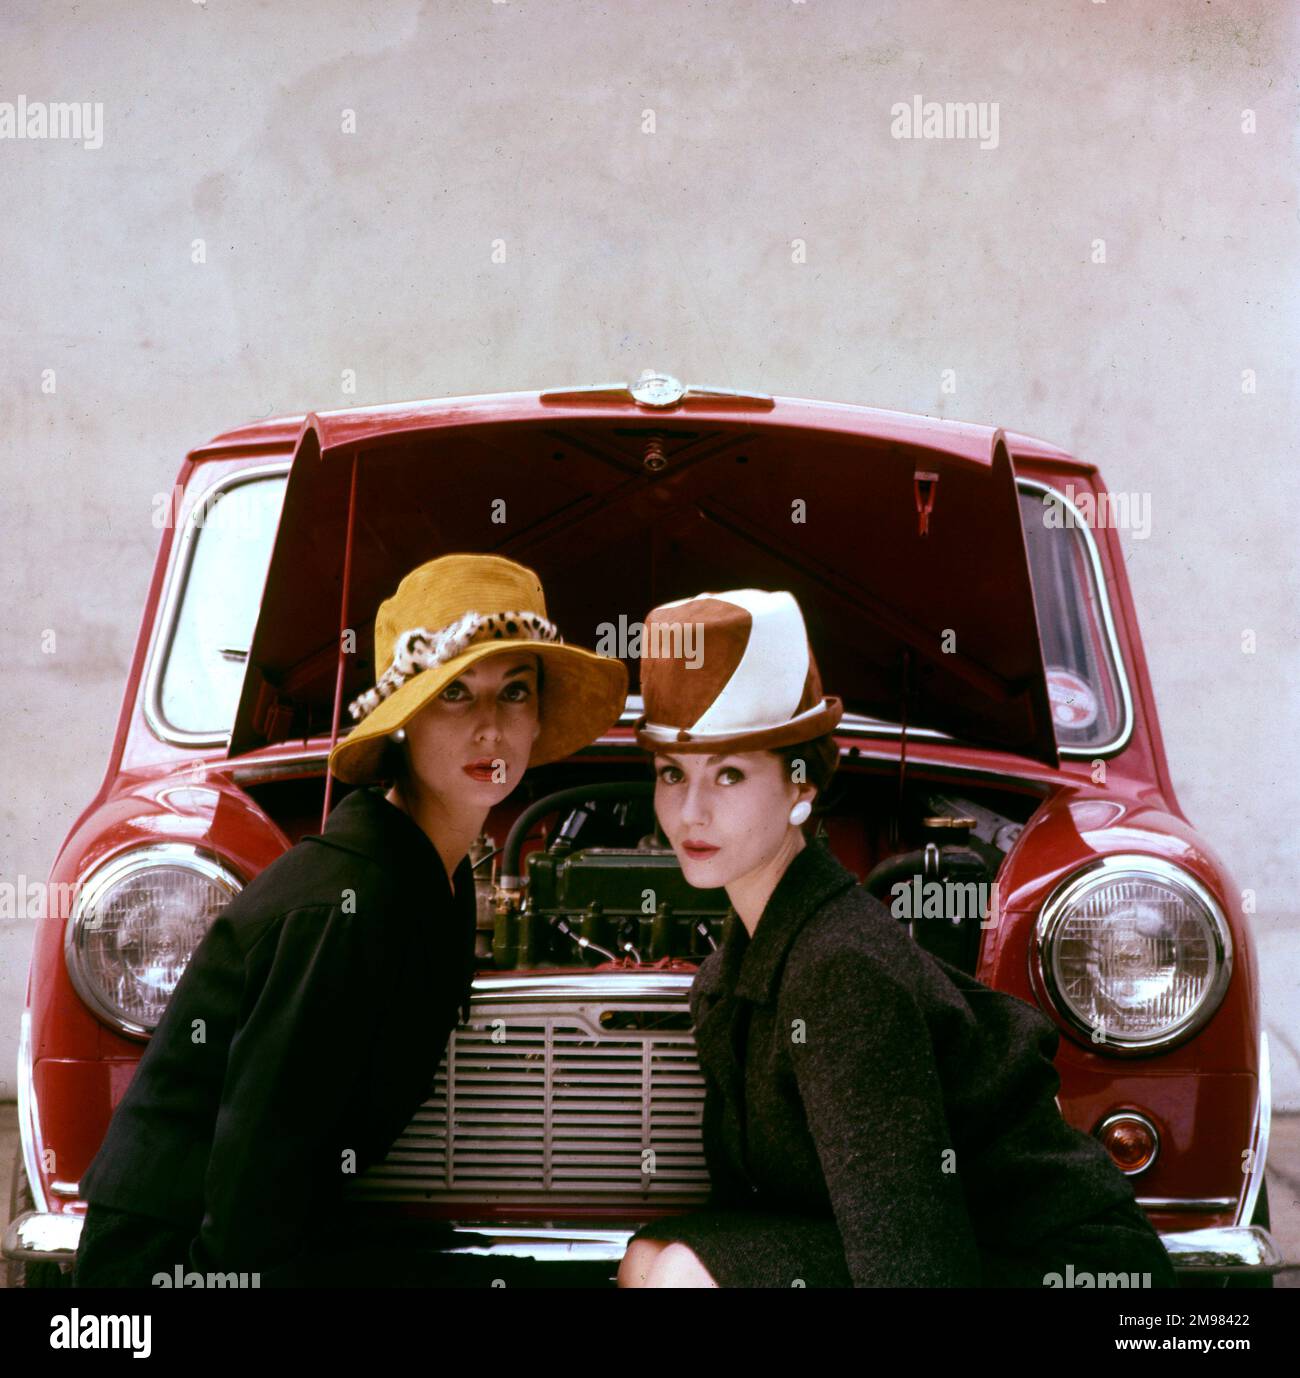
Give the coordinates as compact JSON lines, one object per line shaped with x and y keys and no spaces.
{"x":421,"y":648}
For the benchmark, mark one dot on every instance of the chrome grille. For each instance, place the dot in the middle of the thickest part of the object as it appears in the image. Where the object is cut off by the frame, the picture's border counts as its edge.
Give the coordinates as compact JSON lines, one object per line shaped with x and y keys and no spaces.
{"x":546,"y":1106}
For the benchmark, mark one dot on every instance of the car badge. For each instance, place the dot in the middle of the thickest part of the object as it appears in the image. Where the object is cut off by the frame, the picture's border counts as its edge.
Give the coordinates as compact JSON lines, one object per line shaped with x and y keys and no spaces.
{"x":657,"y":389}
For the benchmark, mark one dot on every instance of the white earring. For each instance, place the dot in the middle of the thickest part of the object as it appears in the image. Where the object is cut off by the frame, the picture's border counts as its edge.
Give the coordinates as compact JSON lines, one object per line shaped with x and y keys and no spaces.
{"x":398,"y":735}
{"x":799,"y":814}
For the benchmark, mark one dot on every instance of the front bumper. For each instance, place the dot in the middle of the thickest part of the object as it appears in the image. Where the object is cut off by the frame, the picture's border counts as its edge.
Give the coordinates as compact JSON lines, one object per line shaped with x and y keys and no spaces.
{"x":1241,"y":1250}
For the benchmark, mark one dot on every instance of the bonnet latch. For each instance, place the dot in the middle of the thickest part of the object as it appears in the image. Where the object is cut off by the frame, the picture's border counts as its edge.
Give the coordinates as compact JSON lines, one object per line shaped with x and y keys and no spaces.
{"x":924,"y":484}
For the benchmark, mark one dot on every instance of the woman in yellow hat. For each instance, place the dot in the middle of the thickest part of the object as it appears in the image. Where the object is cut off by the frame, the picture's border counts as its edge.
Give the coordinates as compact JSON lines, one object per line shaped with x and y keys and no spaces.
{"x":423,"y":721}
{"x":309,"y":1025}
{"x":873,"y":1116}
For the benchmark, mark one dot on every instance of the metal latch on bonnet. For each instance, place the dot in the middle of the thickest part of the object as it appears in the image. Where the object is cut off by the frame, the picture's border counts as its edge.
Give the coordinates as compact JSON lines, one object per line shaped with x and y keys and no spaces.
{"x":924,"y":485}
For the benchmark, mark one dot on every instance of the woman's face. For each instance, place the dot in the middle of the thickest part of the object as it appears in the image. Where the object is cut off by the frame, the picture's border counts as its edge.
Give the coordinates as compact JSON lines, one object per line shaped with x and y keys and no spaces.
{"x":471,"y":742}
{"x":737,"y":804}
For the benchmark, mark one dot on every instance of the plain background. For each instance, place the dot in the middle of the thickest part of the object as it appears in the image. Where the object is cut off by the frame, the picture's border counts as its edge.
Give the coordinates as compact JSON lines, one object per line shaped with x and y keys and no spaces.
{"x":525,"y":122}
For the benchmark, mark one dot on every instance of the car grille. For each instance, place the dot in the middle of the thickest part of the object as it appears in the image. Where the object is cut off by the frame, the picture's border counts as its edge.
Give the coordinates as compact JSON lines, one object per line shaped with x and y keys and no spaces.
{"x":556,"y":1104}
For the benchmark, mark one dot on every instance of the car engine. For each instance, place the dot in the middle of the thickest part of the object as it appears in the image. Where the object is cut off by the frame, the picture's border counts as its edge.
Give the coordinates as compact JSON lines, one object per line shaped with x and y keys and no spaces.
{"x":606,"y":889}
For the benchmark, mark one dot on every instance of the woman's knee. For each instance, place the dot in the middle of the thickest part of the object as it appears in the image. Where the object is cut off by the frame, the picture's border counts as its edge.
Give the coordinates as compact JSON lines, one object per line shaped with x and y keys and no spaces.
{"x":679,"y":1266}
{"x":638,"y":1260}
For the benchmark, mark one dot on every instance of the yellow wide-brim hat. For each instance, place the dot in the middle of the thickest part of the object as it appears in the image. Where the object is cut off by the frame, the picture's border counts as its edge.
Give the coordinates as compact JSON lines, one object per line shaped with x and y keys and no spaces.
{"x":449,"y":614}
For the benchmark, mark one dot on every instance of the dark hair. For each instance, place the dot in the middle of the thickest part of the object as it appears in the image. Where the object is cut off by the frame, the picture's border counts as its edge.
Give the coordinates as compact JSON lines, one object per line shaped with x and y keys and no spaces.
{"x":820,"y":757}
{"x":392,"y":765}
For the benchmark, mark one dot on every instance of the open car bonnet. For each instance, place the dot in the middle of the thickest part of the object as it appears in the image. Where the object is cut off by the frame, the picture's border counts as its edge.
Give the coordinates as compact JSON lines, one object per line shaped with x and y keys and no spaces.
{"x":899,"y":535}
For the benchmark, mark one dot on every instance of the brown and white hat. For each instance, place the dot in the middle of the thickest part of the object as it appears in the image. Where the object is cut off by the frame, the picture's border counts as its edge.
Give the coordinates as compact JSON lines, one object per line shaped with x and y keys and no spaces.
{"x":731,"y":671}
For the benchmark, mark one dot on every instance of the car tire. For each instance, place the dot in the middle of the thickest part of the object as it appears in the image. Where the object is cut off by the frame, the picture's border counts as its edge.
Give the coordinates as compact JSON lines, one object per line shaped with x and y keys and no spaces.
{"x":17,"y":1273}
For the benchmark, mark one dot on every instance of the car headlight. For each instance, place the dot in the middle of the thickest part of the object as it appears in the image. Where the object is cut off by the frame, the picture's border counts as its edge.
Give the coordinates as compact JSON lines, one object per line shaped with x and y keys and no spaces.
{"x":135,"y":926}
{"x":1135,"y":953}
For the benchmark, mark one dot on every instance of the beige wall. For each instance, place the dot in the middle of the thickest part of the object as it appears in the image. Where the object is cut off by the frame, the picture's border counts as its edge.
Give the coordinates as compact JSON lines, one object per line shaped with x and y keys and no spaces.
{"x":523,"y":122}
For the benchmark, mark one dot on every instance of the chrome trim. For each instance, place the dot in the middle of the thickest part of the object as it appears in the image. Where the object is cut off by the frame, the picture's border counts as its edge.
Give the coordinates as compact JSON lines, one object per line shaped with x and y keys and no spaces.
{"x":1259,"y":1137}
{"x":99,"y":880}
{"x":1108,"y":622}
{"x":1141,"y":1119}
{"x":1233,"y":1249}
{"x":42,"y":1237}
{"x":165,"y":625}
{"x":560,"y":1243}
{"x":1138,"y":864}
{"x":593,"y":986}
{"x":1191,"y":1251}
{"x":859,"y":725}
{"x":653,"y":391}
{"x":581,"y":390}
{"x":39,"y":1237}
{"x":659,"y":391}
{"x":29,"y":1123}
{"x":1189,"y":1205}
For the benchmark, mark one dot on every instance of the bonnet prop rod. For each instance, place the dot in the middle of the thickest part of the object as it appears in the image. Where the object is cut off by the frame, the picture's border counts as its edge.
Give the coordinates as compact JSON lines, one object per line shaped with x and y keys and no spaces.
{"x":343,"y":626}
{"x":895,"y":829}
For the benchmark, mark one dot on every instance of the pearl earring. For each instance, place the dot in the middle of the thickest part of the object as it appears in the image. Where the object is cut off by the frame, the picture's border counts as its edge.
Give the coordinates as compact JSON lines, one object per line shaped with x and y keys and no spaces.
{"x":799,"y":814}
{"x":398,"y":735}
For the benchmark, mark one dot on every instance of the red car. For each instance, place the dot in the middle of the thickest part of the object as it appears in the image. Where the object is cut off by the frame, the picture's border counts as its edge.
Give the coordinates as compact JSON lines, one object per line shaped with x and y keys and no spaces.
{"x":1000,"y":756}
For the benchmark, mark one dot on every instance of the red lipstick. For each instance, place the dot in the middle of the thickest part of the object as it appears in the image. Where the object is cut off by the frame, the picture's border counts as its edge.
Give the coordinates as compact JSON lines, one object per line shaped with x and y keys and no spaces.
{"x":698,"y":850}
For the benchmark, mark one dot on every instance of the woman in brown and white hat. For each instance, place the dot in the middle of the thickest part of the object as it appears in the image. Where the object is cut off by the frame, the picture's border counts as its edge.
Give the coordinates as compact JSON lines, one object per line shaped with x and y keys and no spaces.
{"x":873,"y":1116}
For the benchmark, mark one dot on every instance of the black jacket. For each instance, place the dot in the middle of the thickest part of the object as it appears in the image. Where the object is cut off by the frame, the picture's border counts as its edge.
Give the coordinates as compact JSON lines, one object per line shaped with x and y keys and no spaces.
{"x":300,"y":1040}
{"x":851,"y":1075}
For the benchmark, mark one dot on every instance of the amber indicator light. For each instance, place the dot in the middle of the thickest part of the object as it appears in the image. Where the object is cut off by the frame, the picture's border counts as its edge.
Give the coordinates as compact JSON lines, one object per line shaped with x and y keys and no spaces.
{"x":1130,"y":1143}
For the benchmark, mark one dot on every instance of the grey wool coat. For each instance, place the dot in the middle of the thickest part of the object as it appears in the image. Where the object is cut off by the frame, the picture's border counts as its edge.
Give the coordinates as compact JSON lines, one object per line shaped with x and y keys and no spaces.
{"x":875,"y":1117}
{"x":325,"y":993}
